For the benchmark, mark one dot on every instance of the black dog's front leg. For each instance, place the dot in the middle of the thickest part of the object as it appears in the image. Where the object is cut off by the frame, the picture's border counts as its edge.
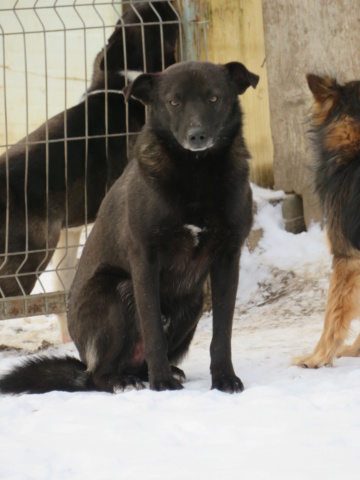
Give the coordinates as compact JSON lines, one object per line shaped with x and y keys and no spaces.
{"x":145,"y":276}
{"x":224,"y":281}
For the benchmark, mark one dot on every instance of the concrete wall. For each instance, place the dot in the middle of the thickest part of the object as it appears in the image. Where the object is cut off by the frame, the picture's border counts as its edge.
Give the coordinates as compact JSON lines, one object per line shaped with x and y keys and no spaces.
{"x":301,"y":36}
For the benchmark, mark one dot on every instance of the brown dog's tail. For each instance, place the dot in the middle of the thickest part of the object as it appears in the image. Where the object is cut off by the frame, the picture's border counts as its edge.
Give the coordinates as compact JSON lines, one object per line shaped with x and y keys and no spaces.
{"x":44,"y":374}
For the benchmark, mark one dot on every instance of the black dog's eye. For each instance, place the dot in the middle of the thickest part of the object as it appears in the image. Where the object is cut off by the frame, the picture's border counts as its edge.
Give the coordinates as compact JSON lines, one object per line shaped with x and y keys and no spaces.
{"x":174,"y":103}
{"x":213,"y":99}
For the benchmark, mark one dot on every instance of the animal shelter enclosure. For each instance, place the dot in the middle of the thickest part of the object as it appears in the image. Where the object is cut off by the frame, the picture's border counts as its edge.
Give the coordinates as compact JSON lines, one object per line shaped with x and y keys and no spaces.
{"x":60,"y":138}
{"x":49,"y":64}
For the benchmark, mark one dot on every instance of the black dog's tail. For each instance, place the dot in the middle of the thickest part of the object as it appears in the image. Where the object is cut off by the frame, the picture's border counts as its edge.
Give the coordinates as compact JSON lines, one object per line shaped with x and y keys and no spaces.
{"x":44,"y":374}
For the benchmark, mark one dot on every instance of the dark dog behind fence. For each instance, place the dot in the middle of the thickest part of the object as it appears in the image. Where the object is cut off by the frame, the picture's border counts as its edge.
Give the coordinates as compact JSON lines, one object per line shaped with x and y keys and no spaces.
{"x":47,"y":59}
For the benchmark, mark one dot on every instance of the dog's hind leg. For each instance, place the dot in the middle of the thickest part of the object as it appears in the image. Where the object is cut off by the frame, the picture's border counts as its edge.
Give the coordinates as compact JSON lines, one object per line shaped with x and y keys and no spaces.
{"x":351,"y":350}
{"x":343,"y":306}
{"x":64,"y":263}
{"x":103,"y":324}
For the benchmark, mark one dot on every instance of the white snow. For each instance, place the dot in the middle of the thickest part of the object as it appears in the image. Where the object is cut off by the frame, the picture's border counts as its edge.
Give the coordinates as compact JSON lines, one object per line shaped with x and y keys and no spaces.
{"x":289,"y":423}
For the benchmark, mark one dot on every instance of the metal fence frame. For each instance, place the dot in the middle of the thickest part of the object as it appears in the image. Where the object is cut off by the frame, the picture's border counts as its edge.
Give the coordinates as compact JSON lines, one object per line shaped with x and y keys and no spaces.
{"x":47,"y":302}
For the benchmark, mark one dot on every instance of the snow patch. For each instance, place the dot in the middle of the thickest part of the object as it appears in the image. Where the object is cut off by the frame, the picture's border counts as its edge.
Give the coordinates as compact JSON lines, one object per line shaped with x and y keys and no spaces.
{"x":289,"y":423}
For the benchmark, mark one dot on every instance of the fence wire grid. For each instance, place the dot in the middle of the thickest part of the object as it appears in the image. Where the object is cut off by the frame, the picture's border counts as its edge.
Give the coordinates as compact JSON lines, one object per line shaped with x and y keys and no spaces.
{"x":65,"y":131}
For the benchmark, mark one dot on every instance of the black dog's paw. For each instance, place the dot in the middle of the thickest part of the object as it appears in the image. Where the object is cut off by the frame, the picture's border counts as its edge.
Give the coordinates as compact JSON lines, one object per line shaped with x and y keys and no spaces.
{"x":165,"y":384}
{"x":227,"y":383}
{"x":127,"y":382}
{"x":178,"y":373}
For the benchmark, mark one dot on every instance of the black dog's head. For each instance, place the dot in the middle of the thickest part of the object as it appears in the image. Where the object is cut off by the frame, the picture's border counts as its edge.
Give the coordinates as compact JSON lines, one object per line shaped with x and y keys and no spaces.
{"x":195,"y":102}
{"x":144,"y":40}
{"x":153,"y":26}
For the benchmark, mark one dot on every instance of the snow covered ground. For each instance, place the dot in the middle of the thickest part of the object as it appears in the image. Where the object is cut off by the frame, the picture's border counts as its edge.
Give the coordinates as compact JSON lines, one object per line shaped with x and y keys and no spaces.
{"x":289,"y":423}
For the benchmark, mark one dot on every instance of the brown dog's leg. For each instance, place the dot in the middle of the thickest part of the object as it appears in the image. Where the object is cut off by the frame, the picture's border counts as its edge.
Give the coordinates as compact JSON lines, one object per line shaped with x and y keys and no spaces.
{"x":351,"y":350}
{"x":342,"y":307}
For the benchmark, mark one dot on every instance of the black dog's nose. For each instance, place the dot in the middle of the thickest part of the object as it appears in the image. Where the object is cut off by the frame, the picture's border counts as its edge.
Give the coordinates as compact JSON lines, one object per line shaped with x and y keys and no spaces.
{"x":197,"y":138}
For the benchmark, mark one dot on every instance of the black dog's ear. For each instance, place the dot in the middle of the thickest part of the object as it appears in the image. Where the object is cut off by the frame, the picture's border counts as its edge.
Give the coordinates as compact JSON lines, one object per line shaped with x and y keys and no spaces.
{"x":322,"y":88}
{"x":241,"y":76}
{"x":141,"y":88}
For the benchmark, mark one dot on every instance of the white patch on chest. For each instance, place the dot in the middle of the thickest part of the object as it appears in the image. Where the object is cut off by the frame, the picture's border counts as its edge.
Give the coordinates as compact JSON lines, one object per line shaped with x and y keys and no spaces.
{"x":195,"y":231}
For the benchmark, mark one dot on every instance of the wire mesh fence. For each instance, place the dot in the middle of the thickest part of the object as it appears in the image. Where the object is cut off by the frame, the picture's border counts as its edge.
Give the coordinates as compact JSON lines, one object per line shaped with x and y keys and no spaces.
{"x":65,"y":131}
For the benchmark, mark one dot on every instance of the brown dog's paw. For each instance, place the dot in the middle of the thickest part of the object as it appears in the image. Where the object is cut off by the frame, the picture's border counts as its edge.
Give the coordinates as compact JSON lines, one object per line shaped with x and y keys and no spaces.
{"x":165,"y":384}
{"x":312,"y":361}
{"x":227,"y":383}
{"x":349,"y":351}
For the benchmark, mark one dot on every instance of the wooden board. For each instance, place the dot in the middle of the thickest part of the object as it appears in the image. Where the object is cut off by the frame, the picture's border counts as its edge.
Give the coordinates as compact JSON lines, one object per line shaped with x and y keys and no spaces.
{"x":235,"y":33}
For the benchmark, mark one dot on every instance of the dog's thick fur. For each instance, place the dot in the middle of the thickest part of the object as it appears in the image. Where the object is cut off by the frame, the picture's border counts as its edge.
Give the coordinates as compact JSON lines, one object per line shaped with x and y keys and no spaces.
{"x":47,"y":184}
{"x":182,"y":209}
{"x":336,"y":135}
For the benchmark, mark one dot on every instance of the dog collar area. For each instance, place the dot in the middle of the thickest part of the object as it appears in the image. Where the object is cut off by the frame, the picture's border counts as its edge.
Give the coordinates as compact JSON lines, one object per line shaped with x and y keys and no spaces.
{"x":95,"y":92}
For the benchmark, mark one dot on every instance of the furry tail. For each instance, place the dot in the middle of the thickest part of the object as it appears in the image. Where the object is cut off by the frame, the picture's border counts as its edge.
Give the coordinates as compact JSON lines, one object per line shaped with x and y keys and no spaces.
{"x":43,"y":374}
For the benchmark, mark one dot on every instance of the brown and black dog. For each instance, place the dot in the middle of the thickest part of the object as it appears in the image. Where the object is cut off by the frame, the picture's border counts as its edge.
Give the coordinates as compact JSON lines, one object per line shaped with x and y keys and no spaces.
{"x":336,"y":136}
{"x":181,"y":210}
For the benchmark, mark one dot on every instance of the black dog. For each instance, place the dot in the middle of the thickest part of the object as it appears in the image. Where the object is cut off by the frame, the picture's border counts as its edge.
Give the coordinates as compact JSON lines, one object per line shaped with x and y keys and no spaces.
{"x":182,"y":209}
{"x":46,"y":183}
